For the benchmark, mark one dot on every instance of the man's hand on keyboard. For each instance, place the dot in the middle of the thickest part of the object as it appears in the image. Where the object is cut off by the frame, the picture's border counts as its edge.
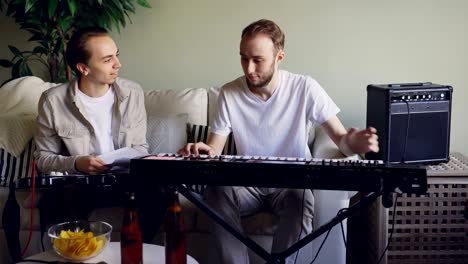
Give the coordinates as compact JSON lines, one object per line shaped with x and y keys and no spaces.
{"x":196,"y":149}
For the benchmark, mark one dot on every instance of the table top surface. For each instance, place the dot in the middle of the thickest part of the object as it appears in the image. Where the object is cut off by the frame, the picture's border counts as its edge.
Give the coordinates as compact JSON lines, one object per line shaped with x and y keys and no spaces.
{"x":152,"y":254}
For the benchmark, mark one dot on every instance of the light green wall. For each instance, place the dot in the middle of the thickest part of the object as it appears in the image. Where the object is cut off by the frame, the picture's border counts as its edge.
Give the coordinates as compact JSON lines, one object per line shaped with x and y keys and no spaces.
{"x":345,"y":45}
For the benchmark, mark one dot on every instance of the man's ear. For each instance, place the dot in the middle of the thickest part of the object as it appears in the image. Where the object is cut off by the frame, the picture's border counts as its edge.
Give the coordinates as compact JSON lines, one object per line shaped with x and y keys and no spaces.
{"x":280,"y":56}
{"x":82,"y":68}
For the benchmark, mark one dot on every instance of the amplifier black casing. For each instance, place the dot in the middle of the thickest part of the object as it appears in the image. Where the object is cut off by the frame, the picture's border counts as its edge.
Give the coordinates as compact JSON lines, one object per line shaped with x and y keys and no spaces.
{"x":428,"y":107}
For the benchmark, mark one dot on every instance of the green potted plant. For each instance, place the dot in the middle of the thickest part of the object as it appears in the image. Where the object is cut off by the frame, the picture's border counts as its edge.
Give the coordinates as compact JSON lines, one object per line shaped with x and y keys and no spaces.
{"x":51,"y":23}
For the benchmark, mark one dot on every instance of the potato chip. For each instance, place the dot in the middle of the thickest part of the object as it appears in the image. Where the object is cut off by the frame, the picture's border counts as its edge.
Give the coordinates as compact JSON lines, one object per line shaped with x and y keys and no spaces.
{"x":78,"y":245}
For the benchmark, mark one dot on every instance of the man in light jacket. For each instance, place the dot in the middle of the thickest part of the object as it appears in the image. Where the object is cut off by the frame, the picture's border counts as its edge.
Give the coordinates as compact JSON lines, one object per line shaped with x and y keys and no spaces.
{"x":95,"y":114}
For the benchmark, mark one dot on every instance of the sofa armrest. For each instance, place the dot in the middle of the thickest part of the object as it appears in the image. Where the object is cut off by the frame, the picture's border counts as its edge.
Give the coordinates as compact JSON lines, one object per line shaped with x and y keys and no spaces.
{"x":328,"y":203}
{"x":323,"y":147}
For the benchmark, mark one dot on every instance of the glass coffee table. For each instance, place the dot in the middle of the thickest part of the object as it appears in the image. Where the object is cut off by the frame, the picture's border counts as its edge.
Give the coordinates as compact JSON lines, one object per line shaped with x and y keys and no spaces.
{"x":152,"y":254}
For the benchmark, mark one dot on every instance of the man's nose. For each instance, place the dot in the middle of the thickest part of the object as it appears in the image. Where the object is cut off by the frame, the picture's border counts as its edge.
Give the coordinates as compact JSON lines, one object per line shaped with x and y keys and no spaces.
{"x":117,"y":63}
{"x":250,"y":67}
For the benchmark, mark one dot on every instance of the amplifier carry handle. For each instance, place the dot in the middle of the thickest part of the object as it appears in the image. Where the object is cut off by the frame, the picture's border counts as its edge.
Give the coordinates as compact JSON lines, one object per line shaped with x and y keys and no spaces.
{"x":409,"y":84}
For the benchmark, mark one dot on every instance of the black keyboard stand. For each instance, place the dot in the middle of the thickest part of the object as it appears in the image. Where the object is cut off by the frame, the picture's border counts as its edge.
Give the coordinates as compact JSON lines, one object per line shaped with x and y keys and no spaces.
{"x":279,"y":257}
{"x":11,"y":224}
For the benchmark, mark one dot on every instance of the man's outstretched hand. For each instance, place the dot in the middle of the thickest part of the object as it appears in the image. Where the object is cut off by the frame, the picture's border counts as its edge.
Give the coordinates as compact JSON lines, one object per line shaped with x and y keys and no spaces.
{"x":362,"y":141}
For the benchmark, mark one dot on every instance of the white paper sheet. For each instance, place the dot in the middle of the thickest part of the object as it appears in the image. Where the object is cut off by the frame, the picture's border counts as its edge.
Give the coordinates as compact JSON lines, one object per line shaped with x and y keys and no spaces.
{"x":120,"y":155}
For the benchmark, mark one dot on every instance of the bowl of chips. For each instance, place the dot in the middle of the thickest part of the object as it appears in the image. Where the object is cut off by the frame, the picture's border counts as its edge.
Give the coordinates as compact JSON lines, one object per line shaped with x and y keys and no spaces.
{"x":80,"y":240}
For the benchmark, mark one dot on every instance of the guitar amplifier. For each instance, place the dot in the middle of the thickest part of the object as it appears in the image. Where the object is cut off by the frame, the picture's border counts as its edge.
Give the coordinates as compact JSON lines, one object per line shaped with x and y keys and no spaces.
{"x":412,"y":121}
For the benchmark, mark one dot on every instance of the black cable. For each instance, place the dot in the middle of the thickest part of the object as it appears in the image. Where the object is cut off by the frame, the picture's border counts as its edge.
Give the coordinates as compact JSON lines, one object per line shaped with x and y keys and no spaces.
{"x":393,"y":230}
{"x":302,"y":219}
{"x":403,"y":154}
{"x":329,"y":230}
{"x":42,"y":241}
{"x":321,"y":245}
{"x":344,"y":237}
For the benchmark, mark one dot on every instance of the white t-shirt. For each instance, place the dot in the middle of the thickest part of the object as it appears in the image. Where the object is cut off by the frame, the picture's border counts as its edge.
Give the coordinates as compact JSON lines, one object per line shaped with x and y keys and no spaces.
{"x":99,"y":112}
{"x":276,"y":127}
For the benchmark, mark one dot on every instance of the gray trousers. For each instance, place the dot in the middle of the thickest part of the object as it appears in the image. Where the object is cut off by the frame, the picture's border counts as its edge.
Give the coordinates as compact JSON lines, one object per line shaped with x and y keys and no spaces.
{"x":294,"y":209}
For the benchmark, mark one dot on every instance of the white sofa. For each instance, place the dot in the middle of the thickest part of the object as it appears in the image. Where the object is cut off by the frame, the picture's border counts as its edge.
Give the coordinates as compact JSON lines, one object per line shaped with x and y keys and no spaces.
{"x":168,"y":112}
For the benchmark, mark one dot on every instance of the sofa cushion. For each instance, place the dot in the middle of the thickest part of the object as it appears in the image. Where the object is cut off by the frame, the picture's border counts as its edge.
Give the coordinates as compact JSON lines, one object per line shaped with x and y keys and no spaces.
{"x":18,"y":110}
{"x":16,"y":167}
{"x":213,"y":93}
{"x":21,"y":95}
{"x":193,"y":102}
{"x":199,"y":133}
{"x":25,"y":213}
{"x":166,"y":134}
{"x":16,"y":130}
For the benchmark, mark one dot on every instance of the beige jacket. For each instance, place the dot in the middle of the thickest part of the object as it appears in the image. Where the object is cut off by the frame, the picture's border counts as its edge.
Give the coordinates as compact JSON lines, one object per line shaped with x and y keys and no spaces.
{"x":64,"y":133}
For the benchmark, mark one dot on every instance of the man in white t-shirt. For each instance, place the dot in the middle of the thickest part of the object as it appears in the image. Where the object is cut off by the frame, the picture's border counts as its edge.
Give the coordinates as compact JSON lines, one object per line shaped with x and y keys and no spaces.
{"x":269,"y":112}
{"x":95,"y":114}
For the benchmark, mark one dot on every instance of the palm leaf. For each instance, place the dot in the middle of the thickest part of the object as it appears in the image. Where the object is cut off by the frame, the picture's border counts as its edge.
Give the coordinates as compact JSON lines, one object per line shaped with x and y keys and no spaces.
{"x":15,"y":70}
{"x":51,"y":22}
{"x":15,"y":51}
{"x":24,"y":69}
{"x":39,"y":50}
{"x":52,"y":7}
{"x":6,"y":63}
{"x":144,"y":3}
{"x":72,"y":7}
{"x":28,"y":6}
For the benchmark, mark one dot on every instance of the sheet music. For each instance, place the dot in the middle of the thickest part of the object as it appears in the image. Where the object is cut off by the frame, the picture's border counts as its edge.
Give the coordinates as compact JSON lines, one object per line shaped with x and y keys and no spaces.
{"x":120,"y":157}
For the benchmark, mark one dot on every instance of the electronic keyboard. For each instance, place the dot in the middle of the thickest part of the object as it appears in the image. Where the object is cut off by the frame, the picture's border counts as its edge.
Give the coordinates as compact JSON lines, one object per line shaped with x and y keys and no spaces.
{"x":279,"y":172}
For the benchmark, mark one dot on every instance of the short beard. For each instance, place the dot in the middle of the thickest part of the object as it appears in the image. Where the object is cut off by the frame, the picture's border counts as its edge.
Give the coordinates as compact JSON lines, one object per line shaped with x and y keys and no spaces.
{"x":265,"y":82}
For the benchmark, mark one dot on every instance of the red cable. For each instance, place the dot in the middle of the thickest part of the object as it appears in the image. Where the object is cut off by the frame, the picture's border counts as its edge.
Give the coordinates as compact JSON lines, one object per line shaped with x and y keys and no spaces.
{"x":33,"y":189}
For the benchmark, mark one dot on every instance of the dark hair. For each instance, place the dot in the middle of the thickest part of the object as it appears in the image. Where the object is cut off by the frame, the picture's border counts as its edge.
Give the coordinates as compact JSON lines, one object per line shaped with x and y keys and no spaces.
{"x":77,"y":51}
{"x":267,"y":27}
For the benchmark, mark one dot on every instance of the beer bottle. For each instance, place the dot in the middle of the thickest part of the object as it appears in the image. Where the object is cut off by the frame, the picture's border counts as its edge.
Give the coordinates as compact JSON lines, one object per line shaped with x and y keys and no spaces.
{"x":176,"y":249}
{"x":131,"y":243}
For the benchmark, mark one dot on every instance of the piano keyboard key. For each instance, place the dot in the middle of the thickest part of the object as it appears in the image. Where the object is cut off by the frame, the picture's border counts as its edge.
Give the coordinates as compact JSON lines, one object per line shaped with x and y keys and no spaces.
{"x":311,"y":161}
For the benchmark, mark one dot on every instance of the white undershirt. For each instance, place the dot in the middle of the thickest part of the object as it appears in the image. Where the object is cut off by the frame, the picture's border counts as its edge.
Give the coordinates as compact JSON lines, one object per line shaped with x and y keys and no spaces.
{"x":278,"y":126}
{"x":99,"y":110}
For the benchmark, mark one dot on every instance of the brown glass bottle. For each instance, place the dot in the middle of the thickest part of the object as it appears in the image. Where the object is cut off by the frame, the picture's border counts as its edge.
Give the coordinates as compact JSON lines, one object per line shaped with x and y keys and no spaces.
{"x":176,"y":248}
{"x":131,"y":243}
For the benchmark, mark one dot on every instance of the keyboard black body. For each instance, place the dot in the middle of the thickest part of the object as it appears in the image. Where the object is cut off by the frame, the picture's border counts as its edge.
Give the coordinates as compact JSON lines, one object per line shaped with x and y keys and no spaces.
{"x":365,"y":176}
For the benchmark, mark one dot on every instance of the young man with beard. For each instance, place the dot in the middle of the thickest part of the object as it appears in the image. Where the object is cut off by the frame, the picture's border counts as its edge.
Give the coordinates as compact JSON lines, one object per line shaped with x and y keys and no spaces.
{"x":95,"y":114}
{"x":269,"y":112}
